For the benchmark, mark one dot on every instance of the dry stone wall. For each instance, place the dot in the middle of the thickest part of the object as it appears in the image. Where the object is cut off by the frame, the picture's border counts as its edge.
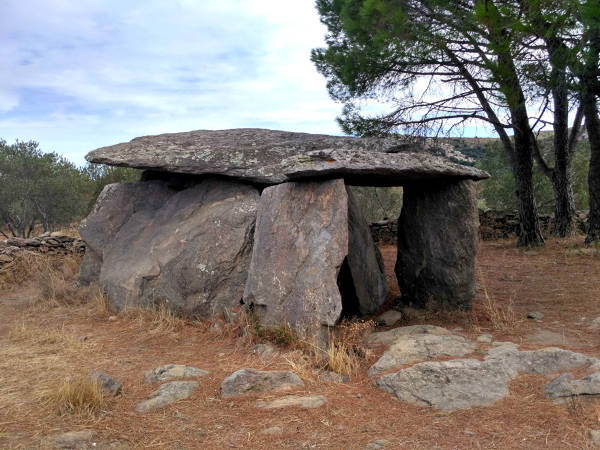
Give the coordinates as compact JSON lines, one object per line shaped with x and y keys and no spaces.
{"x":55,"y":242}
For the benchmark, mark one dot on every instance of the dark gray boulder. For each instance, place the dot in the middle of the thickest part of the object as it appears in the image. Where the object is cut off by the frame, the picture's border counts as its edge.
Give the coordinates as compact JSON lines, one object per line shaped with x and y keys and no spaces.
{"x":311,"y":242}
{"x":188,"y":249}
{"x":272,"y":157}
{"x":437,"y":244}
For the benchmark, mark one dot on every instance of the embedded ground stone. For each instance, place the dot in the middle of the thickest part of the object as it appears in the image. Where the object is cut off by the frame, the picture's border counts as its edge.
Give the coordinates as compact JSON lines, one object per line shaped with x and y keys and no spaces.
{"x":390,"y":336}
{"x":437,"y":244}
{"x":168,"y":393}
{"x":447,"y":385}
{"x":273,"y":157}
{"x":171,"y":371}
{"x":246,"y":381}
{"x":409,"y":349}
{"x":189,"y":251}
{"x":312,"y":401}
{"x":463,"y":383}
{"x":566,"y":386}
{"x":313,"y":257}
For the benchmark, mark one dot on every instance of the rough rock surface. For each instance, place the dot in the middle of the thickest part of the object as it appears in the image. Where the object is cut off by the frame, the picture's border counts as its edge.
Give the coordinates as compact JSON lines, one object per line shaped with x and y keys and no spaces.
{"x":448,"y":385}
{"x":409,"y":349}
{"x":463,"y":383}
{"x":390,"y":336}
{"x":437,"y":244}
{"x":113,"y":208}
{"x":304,"y":232}
{"x":310,"y":401}
{"x":566,"y":386}
{"x":189,"y":249}
{"x":108,"y":384}
{"x":272,"y":157}
{"x":245,"y":381}
{"x":168,"y":393}
{"x":171,"y":371}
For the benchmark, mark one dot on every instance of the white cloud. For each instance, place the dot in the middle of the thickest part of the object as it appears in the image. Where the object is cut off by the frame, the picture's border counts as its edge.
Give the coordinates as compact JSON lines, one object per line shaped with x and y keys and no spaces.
{"x":77,"y":75}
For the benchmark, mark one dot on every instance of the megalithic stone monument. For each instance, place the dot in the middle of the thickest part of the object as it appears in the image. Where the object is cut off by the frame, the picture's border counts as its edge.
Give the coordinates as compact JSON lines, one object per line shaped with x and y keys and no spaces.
{"x":264,"y":218}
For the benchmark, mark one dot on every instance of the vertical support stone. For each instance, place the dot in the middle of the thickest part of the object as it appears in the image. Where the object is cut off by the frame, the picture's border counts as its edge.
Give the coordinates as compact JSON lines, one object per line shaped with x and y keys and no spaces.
{"x":300,"y":242}
{"x":437,"y":244}
{"x":313,"y":258}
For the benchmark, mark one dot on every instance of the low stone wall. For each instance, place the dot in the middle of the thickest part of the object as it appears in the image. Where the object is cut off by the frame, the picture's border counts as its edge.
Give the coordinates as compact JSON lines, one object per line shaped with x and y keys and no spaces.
{"x":46,"y":243}
{"x":492,"y":225}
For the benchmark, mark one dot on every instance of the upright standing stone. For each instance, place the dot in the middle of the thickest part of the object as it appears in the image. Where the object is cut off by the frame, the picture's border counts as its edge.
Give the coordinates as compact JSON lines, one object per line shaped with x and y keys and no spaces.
{"x":437,"y":244}
{"x":311,"y":242}
{"x":300,"y":242}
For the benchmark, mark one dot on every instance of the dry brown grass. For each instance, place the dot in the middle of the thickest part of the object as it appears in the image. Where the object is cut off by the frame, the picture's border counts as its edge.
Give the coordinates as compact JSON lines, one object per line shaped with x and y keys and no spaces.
{"x":155,"y":321}
{"x":502,"y":317}
{"x":80,"y":395}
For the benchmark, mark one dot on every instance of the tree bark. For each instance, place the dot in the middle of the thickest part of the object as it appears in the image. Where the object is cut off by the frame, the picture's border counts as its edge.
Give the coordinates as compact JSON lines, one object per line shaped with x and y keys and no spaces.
{"x":592,"y":123}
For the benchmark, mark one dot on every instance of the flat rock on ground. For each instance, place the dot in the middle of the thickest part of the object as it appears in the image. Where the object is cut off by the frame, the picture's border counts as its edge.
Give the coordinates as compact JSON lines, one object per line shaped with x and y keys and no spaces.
{"x":409,"y":349}
{"x":463,"y":383}
{"x":311,"y":401}
{"x":83,"y":440}
{"x":168,"y":393}
{"x":171,"y":371}
{"x":566,"y":386}
{"x":273,"y":157}
{"x":246,"y":381}
{"x":390,"y":336}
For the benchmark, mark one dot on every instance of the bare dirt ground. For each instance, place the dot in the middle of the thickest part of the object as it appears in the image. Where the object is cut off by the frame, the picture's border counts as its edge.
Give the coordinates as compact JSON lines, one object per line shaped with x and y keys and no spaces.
{"x":42,"y":343}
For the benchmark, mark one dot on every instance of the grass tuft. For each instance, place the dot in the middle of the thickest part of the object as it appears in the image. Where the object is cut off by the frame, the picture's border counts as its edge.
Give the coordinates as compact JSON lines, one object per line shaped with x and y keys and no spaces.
{"x":81,"y":395}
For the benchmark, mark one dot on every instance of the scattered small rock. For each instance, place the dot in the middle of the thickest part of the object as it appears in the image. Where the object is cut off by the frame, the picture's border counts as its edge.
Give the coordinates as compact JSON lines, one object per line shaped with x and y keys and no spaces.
{"x":389,"y":318}
{"x":378,"y":444}
{"x":535,"y":315}
{"x":273,"y":430}
{"x":112,"y":318}
{"x":485,"y":338}
{"x":594,"y":437}
{"x":171,"y":371}
{"x":265,"y":351}
{"x":108,"y":384}
{"x":74,"y":439}
{"x":595,"y":323}
{"x":469,"y":433}
{"x":358,"y":395}
{"x":333,"y":377}
{"x":246,"y":381}
{"x":168,"y":393}
{"x":82,"y":338}
{"x":311,"y":401}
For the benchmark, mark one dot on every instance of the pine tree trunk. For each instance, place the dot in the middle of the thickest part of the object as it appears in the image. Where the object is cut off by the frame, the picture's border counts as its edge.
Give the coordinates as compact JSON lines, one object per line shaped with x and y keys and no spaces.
{"x":592,"y":121}
{"x":530,"y":234}
{"x":564,"y":202}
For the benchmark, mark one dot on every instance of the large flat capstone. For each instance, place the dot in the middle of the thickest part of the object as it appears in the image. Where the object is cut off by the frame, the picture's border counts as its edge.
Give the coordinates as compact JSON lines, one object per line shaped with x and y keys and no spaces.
{"x":312,"y":257}
{"x":273,"y":157}
{"x":189,"y":249}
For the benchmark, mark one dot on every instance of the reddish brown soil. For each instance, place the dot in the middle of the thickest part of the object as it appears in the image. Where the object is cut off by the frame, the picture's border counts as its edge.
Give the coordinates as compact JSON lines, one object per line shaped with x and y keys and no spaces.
{"x":553,"y":280}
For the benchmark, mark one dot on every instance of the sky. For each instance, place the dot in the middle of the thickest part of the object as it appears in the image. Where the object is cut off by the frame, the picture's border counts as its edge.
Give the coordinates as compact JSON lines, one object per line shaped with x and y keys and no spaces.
{"x":77,"y":75}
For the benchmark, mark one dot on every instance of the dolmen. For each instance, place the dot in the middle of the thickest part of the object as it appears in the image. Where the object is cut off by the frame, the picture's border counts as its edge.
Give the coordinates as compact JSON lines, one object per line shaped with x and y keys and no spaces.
{"x":265,"y":219}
